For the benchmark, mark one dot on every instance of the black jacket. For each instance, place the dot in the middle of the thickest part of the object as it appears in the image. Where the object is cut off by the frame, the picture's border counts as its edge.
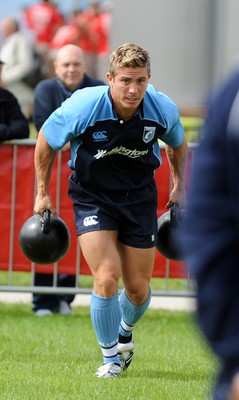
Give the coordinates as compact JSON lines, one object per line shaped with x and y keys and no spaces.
{"x":211,"y":234}
{"x":13,"y":123}
{"x":50,"y":93}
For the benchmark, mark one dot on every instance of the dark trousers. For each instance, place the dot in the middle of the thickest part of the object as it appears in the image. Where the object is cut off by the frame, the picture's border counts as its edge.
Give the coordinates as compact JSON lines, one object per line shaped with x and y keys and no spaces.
{"x":51,"y":301}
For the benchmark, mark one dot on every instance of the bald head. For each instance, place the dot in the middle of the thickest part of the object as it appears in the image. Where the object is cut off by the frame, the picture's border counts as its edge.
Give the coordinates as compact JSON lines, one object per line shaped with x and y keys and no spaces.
{"x":9,"y":25}
{"x":70,"y":65}
{"x":69,"y":50}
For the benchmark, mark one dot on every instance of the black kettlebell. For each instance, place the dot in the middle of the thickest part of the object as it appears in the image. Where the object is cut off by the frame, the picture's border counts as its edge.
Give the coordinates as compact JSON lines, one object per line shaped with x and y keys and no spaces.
{"x":168,"y":236}
{"x":44,"y":240}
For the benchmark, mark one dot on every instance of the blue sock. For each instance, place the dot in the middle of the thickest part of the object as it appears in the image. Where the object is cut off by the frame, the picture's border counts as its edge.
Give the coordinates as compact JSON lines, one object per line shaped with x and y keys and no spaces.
{"x":130,"y":313}
{"x":105,"y":317}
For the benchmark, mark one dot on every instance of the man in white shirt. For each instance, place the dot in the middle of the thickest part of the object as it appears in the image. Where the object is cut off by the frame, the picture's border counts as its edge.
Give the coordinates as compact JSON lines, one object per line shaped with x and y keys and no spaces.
{"x":17,"y":55}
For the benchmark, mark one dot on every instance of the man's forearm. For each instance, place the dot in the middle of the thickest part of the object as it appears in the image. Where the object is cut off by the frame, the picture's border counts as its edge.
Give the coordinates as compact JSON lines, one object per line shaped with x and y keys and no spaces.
{"x":177,"y":158}
{"x":44,"y":159}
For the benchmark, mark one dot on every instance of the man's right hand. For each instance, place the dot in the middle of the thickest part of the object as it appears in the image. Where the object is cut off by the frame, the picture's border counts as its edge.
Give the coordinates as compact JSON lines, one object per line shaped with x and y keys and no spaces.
{"x":44,"y":203}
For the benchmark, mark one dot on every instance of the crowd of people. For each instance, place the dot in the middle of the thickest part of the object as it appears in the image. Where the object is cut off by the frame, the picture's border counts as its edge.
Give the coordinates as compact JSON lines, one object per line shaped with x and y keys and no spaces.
{"x":69,"y":53}
{"x":33,"y":41}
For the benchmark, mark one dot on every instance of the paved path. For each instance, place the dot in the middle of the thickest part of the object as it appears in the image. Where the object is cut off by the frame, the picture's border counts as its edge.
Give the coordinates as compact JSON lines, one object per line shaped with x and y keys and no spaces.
{"x":157,"y":302}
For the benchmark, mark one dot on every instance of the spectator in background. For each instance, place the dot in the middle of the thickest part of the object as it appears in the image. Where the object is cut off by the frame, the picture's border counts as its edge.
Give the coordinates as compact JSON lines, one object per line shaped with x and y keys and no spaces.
{"x":95,"y":27}
{"x":17,"y":55}
{"x":13,"y":124}
{"x":43,"y":19}
{"x":66,"y":34}
{"x":211,"y":234}
{"x":50,"y":93}
{"x":70,"y":33}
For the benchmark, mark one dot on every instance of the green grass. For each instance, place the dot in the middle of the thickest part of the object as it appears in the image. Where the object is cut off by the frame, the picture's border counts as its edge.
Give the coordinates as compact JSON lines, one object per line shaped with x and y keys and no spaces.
{"x":192,"y":127}
{"x":55,"y":358}
{"x":33,"y":131}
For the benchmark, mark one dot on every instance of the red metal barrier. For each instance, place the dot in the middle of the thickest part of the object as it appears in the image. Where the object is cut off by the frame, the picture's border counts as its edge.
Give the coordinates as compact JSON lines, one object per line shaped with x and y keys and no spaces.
{"x":17,"y":188}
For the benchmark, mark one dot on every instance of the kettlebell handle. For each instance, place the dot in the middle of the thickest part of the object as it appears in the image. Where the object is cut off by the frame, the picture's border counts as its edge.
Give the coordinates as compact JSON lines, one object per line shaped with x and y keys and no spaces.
{"x":46,"y":221}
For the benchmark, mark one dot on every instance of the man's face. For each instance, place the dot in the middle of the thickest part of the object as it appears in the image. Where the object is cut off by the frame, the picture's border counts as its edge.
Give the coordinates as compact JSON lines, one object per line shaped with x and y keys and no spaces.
{"x":70,"y":70}
{"x":7,"y":28}
{"x":128,"y":89}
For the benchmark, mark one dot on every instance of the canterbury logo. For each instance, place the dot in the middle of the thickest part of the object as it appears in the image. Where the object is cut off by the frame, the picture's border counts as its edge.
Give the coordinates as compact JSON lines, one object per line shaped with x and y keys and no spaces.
{"x":100,"y":136}
{"x":92,"y":220}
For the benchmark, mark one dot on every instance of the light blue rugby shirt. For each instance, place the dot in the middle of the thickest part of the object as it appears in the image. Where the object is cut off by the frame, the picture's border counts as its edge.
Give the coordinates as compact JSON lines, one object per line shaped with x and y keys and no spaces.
{"x":107,"y":152}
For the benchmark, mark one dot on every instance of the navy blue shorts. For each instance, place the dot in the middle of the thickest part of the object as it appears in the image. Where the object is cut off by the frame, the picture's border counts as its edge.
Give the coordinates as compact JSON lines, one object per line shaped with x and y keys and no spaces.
{"x":131,"y":213}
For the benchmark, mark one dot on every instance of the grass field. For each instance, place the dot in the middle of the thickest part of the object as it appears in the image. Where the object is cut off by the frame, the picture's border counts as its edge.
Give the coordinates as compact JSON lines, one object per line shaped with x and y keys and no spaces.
{"x":55,"y":358}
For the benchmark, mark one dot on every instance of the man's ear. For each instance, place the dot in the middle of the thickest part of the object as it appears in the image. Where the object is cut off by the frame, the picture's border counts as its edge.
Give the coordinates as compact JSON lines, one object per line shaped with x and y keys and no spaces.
{"x":109,"y":78}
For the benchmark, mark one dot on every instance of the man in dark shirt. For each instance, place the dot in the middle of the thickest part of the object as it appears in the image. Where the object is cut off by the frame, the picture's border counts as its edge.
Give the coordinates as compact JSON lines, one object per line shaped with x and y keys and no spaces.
{"x":49,"y":94}
{"x":13,"y":124}
{"x":70,"y":76}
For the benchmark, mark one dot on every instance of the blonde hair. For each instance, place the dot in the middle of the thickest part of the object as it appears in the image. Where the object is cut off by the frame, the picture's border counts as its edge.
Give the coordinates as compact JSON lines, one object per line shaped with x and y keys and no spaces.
{"x":130,"y":56}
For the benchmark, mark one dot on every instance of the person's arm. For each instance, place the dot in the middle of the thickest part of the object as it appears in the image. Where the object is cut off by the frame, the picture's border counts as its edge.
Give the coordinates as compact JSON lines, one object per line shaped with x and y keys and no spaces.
{"x":44,"y":159}
{"x":177,"y":158}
